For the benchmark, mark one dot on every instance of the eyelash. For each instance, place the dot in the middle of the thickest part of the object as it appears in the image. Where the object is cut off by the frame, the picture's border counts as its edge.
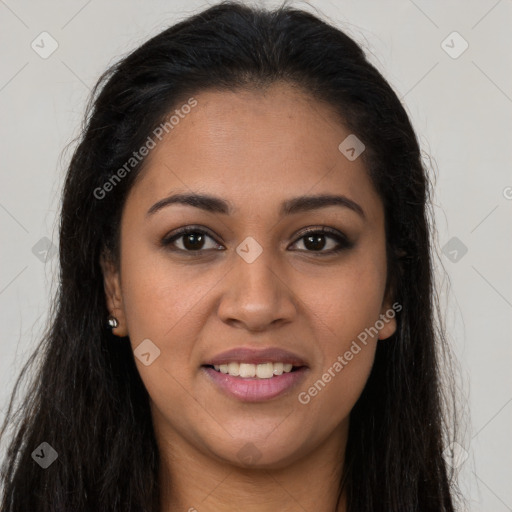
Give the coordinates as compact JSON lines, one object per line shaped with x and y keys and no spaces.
{"x":343,"y":242}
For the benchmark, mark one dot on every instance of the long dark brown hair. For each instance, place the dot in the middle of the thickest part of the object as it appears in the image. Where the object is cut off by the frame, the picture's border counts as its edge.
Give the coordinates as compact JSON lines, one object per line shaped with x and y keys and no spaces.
{"x":86,"y":398}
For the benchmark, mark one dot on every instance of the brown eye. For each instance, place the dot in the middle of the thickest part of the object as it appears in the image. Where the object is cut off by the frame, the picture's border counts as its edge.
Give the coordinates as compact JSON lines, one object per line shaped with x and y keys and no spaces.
{"x":193,"y":241}
{"x":189,"y":239}
{"x":317,"y":241}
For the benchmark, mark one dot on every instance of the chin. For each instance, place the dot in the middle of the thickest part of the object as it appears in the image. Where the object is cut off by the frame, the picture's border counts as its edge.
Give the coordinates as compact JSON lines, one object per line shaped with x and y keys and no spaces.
{"x":260,"y":452}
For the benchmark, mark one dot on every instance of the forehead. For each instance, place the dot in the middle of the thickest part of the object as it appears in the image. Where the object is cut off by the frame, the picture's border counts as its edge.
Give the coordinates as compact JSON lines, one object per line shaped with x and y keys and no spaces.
{"x":258,"y":146}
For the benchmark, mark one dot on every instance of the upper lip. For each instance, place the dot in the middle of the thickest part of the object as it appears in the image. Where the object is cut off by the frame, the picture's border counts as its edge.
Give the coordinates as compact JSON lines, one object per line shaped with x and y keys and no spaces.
{"x":256,"y":356}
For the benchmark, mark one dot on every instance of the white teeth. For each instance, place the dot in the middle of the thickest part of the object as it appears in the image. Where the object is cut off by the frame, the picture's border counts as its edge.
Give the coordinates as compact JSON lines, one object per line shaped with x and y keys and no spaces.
{"x":265,"y":370}
{"x":248,"y":370}
{"x":234,"y":369}
{"x":278,"y":368}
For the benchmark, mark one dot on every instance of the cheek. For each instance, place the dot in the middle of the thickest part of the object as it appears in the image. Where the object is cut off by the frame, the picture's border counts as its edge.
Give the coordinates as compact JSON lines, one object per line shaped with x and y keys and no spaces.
{"x":344,"y":308}
{"x":159,"y":296}
{"x":347,"y":299}
{"x":165,"y":304}
{"x":168,"y":308}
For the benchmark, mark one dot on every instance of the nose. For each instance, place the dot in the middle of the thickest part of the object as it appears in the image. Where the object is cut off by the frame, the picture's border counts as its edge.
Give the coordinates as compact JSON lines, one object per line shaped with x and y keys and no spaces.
{"x":257,"y":295}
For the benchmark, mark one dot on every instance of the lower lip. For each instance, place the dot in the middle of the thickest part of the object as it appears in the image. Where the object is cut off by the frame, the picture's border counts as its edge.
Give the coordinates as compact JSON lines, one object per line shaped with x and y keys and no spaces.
{"x":254,"y":389}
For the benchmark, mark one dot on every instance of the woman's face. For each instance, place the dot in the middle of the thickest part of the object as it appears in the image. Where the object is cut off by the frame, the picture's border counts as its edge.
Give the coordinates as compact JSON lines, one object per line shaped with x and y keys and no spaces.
{"x":256,"y":280}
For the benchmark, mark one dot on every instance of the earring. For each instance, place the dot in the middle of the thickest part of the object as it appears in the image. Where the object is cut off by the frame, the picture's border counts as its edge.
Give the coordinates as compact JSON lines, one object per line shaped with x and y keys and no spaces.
{"x":112,"y":321}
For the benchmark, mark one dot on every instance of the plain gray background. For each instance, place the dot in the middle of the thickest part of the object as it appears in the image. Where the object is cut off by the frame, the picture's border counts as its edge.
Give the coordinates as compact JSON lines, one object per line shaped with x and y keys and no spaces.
{"x":460,"y":103}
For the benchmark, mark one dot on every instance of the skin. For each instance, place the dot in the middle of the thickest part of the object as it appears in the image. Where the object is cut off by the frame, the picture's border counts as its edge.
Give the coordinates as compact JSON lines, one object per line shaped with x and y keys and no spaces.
{"x":254,"y":149}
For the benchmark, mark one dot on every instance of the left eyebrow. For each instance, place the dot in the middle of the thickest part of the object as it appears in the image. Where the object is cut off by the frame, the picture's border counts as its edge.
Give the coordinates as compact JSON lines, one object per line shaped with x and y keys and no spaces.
{"x":308,"y":203}
{"x":289,"y":207}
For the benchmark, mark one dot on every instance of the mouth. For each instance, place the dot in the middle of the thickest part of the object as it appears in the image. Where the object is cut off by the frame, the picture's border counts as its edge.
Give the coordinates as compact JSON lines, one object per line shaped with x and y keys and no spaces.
{"x":251,"y":374}
{"x":261,"y":382}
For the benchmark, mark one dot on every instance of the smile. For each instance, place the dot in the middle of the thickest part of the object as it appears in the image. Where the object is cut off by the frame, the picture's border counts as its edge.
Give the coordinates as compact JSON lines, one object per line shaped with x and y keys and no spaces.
{"x":254,"y":382}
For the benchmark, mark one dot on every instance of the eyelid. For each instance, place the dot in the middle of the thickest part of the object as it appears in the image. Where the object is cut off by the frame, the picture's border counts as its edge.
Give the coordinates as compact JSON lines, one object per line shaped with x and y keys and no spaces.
{"x":321,"y":229}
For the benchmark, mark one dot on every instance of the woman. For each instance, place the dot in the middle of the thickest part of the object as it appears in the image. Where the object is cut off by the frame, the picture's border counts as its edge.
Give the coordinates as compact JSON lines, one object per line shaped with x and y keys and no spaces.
{"x":245,"y":317}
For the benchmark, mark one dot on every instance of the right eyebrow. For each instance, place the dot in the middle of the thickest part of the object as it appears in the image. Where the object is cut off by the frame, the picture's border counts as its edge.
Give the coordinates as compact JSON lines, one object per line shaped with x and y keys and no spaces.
{"x":205,"y":202}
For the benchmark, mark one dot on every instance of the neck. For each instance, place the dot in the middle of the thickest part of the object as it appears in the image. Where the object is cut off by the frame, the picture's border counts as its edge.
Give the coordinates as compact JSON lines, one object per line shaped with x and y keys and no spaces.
{"x":192,"y":481}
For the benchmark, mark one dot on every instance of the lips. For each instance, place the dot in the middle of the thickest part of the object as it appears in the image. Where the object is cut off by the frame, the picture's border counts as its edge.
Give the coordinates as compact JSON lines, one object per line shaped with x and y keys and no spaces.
{"x":289,"y":371}
{"x":256,"y":356}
